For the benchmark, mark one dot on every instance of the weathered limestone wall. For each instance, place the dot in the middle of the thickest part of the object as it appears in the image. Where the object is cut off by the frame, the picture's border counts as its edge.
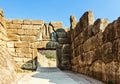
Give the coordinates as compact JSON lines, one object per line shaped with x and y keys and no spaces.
{"x":20,"y":41}
{"x":7,"y":68}
{"x":23,"y":42}
{"x":95,"y":47}
{"x":27,"y":36}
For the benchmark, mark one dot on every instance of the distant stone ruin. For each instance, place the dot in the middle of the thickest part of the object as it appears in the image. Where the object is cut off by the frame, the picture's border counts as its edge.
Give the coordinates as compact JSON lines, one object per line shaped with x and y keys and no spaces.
{"x":88,"y":47}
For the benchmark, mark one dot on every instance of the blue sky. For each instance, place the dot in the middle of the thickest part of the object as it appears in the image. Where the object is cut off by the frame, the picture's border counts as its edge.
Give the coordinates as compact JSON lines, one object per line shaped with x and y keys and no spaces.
{"x":59,"y":10}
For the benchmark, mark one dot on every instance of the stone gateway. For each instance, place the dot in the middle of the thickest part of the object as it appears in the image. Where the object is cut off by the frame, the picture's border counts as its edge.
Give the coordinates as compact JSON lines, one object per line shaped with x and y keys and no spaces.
{"x":88,"y":47}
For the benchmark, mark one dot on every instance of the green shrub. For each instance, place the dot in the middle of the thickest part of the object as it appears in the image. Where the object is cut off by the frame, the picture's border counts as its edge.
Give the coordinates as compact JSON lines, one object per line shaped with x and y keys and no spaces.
{"x":51,"y":57}
{"x":110,"y":82}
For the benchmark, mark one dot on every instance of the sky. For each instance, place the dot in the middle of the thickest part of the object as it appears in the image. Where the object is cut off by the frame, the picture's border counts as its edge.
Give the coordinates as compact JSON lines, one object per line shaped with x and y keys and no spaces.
{"x":59,"y":10}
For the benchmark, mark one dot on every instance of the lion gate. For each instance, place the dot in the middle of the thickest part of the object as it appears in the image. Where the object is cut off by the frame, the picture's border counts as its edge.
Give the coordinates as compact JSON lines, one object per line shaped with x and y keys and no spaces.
{"x":27,"y":37}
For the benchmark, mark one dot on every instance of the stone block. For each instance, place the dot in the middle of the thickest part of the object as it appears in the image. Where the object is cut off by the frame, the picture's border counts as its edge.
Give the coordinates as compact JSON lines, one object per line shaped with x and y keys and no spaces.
{"x":73,"y":53}
{"x":52,"y":44}
{"x":111,"y":32}
{"x":2,"y":30}
{"x":35,"y":52}
{"x":117,"y":79}
{"x":26,"y":22}
{"x":75,"y":68}
{"x":10,"y":44}
{"x":28,"y":38}
{"x":12,"y":52}
{"x":18,"y":59}
{"x":81,"y":38}
{"x":86,"y":20}
{"x":68,"y":35}
{"x":88,"y":58}
{"x":31,"y":32}
{"x":1,"y":12}
{"x":80,"y":48}
{"x":77,"y":51}
{"x":81,"y":61}
{"x":27,"y":60}
{"x":3,"y":37}
{"x":100,"y":25}
{"x":2,"y":43}
{"x":64,"y":63}
{"x":75,"y":61}
{"x":12,"y":31}
{"x":37,"y":27}
{"x":63,"y":40}
{"x":111,"y":71}
{"x":27,"y":26}
{"x":107,"y":36}
{"x":73,"y":22}
{"x":22,"y":45}
{"x":76,"y":32}
{"x":13,"y":37}
{"x":98,"y":54}
{"x":24,"y":55}
{"x":65,"y":51}
{"x":21,"y":32}
{"x":65,"y":57}
{"x":98,"y":39}
{"x":77,"y":42}
{"x":36,"y":22}
{"x":14,"y":26}
{"x":9,"y":21}
{"x":116,"y":49}
{"x":29,"y":65}
{"x":87,"y":33}
{"x":107,"y":55}
{"x":66,"y":29}
{"x":56,"y":24}
{"x":62,"y":34}
{"x":66,"y":46}
{"x":83,"y":70}
{"x":89,"y":44}
{"x":23,"y":50}
{"x":17,"y":21}
{"x":1,"y":19}
{"x":72,"y":45}
{"x":3,"y":22}
{"x":97,"y":70}
{"x":11,"y":49}
{"x":41,"y":44}
{"x":116,"y":26}
{"x":37,"y":45}
{"x":72,"y":35}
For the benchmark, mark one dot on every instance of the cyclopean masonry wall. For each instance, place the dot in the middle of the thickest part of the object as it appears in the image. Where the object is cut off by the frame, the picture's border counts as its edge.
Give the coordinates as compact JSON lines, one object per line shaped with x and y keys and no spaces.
{"x":7,"y":67}
{"x":27,"y":36}
{"x":95,"y":47}
{"x":91,"y":48}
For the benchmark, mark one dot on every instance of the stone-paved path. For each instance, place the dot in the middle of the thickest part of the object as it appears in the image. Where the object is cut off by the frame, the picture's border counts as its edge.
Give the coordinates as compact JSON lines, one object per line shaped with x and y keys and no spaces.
{"x":55,"y":76}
